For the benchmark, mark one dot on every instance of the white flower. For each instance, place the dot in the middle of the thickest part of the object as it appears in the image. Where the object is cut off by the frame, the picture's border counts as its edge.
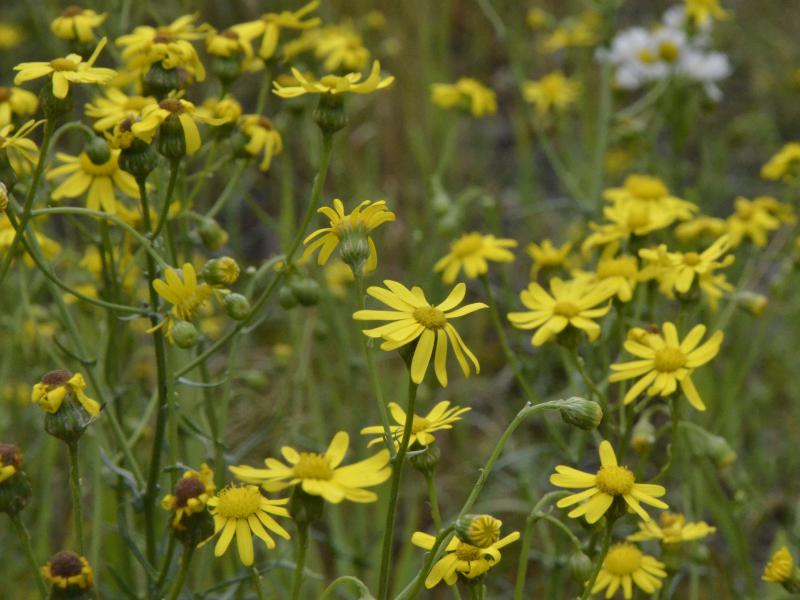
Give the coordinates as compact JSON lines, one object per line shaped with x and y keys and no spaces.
{"x":706,"y":68}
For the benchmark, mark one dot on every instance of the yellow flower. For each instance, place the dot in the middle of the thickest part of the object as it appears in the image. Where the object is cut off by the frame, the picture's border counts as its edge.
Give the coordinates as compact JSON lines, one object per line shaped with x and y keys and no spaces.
{"x":67,"y":570}
{"x":780,"y":567}
{"x":77,"y":23}
{"x":228,"y":44}
{"x":10,"y":35}
{"x":672,"y":528}
{"x":611,"y":482}
{"x":350,"y":228}
{"x":185,"y":295}
{"x":576,"y":32}
{"x":570,"y":304}
{"x":322,"y":474}
{"x":10,"y":461}
{"x":340,"y":47}
{"x":51,"y":391}
{"x":472,"y":251}
{"x":66,"y":71}
{"x":784,"y":165}
{"x":554,"y":91}
{"x":192,"y":493}
{"x":227,"y":109}
{"x":701,"y":225}
{"x":666,"y":362}
{"x":751,"y":220}
{"x":621,"y":271}
{"x":263,"y":137}
{"x":335,"y":84}
{"x":461,"y":558}
{"x":782,"y":211}
{"x":270,"y":24}
{"x":15,"y":101}
{"x":153,"y":115}
{"x":702,"y":11}
{"x":625,"y":565}
{"x":441,"y":417}
{"x":337,"y":276}
{"x":467,"y":93}
{"x":652,"y":191}
{"x":99,"y":179}
{"x":628,"y":219}
{"x":537,"y":18}
{"x":414,"y":319}
{"x":548,"y":256}
{"x":50,"y":248}
{"x":21,"y":152}
{"x":115,"y":107}
{"x":244,"y":511}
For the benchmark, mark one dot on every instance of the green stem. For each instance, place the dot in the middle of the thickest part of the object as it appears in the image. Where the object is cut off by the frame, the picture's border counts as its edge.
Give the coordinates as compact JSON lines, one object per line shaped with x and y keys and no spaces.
{"x":397,"y":471}
{"x":435,"y":514}
{"x":300,"y":561}
{"x":412,"y":590}
{"x":257,"y":584}
{"x":673,"y":445}
{"x":572,"y":358}
{"x":587,"y":591}
{"x":25,"y":540}
{"x":230,"y":187}
{"x":601,"y":139}
{"x":75,"y":488}
{"x":174,"y":167}
{"x":165,"y":565}
{"x":186,"y":558}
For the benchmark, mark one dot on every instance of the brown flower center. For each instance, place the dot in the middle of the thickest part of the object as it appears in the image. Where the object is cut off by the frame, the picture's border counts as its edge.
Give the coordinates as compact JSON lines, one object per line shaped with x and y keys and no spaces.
{"x":187,"y":488}
{"x":173,"y":105}
{"x":10,"y":456}
{"x":72,"y":11}
{"x":57,"y":377}
{"x":66,"y":564}
{"x":5,"y":94}
{"x":669,"y":359}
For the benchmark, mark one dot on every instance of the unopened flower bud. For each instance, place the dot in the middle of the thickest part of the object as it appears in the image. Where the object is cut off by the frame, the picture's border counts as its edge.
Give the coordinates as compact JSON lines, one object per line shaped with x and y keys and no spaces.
{"x":70,"y":575}
{"x":227,"y":68}
{"x":354,"y":248}
{"x":752,"y":302}
{"x":184,"y":334}
{"x":580,"y":412}
{"x":53,"y":107}
{"x":139,"y":158}
{"x":159,"y":82}
{"x":171,"y":139}
{"x":425,"y":461}
{"x":305,"y":508}
{"x":213,"y":235}
{"x":329,"y":113}
{"x":221,"y":271}
{"x":643,"y":435}
{"x":580,"y":566}
{"x":306,"y":290}
{"x":237,"y":306}
{"x":97,"y":150}
{"x":479,"y":530}
{"x":68,"y":410}
{"x":286,"y":298}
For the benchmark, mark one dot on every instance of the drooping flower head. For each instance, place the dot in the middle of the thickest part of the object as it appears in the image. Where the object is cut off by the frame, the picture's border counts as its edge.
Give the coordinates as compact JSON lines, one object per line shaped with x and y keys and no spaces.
{"x":466,"y":93}
{"x":262,"y":138}
{"x":10,"y":461}
{"x":783,"y":165}
{"x":269,"y":26}
{"x":672,"y":528}
{"x":173,"y":113}
{"x":441,"y":417}
{"x":68,"y":571}
{"x":472,"y":252}
{"x":626,"y":565}
{"x":21,"y":152}
{"x":115,"y":106}
{"x":54,"y":388}
{"x":77,"y":23}
{"x":191,"y":495}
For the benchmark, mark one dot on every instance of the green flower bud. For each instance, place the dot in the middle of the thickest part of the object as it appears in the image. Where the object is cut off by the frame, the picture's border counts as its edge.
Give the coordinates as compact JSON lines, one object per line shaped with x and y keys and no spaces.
{"x":237,"y":306}
{"x":195,"y":528}
{"x":286,"y":298}
{"x":305,"y":508}
{"x":354,"y":248}
{"x":98,"y":151}
{"x":51,"y":106}
{"x":329,"y":113}
{"x":586,"y":414}
{"x":212,"y":234}
{"x":425,"y":461}
{"x":171,"y":138}
{"x":227,"y":68}
{"x":159,"y":82}
{"x":306,"y":290}
{"x":184,"y":334}
{"x":221,"y":271}
{"x":753,"y":303}
{"x":139,"y":159}
{"x":580,"y":566}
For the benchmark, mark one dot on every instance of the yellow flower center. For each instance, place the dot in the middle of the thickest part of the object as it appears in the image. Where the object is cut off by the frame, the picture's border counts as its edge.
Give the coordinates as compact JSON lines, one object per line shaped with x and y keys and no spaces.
{"x":638,"y":218}
{"x":669,"y":359}
{"x":467,"y":552}
{"x":106,"y":169}
{"x":419,"y":424}
{"x":617,"y":267}
{"x":63,"y":64}
{"x":430,"y":317}
{"x":691,"y":259}
{"x":615,"y":480}
{"x":668,"y":52}
{"x":623,"y":559}
{"x":744,"y":211}
{"x":565,"y":309}
{"x":647,"y":56}
{"x":313,"y":466}
{"x":646,"y":188}
{"x":330,"y":81}
{"x":467,"y":245}
{"x":239,"y":502}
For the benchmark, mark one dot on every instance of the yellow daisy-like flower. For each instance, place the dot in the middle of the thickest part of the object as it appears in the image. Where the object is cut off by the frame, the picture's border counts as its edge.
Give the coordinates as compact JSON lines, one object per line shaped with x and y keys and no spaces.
{"x":269,"y":26}
{"x":51,"y":391}
{"x":335,"y":84}
{"x":100,"y":180}
{"x":115,"y":106}
{"x":626,"y":219}
{"x":77,"y":23}
{"x":461,"y":558}
{"x":672,"y":528}
{"x":472,"y":252}
{"x":263,"y":138}
{"x":192,"y":493}
{"x":22,"y":153}
{"x":699,"y":226}
{"x":67,"y":570}
{"x":678,"y":270}
{"x":547,"y":256}
{"x":625,"y":565}
{"x":467,"y":93}
{"x":352,"y":227}
{"x":339,"y":47}
{"x":780,"y":567}
{"x":154,"y":115}
{"x":666,"y":362}
{"x":611,"y":481}
{"x":15,"y":101}
{"x":415,"y":319}
{"x":10,"y":35}
{"x":702,"y":11}
{"x":186,"y":295}
{"x":228,"y":109}
{"x":569,"y":304}
{"x":243,"y":511}
{"x":441,"y":417}
{"x":230,"y":43}
{"x":784,"y":165}
{"x":553,"y":92}
{"x":751,"y":220}
{"x":65,"y":71}
{"x":620,"y":271}
{"x":649,"y":190}
{"x":10,"y":461}
{"x":322,"y":474}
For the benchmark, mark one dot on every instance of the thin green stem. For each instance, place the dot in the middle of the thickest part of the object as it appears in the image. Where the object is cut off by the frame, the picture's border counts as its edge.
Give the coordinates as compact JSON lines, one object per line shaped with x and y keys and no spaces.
{"x":300,"y":561}
{"x":601,"y":138}
{"x":587,"y":591}
{"x":183,"y":570}
{"x":75,"y":488}
{"x":673,"y":444}
{"x":166,"y":564}
{"x":257,"y":584}
{"x":573,"y":358}
{"x":25,"y":540}
{"x":435,"y":514}
{"x":233,"y":182}
{"x":174,"y":167}
{"x":412,"y":589}
{"x":397,"y":472}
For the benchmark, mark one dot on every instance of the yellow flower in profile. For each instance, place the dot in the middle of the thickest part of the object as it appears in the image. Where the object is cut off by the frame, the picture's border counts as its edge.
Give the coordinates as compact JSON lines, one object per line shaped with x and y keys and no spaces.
{"x":780,"y":568}
{"x":620,"y":271}
{"x":784,"y":165}
{"x":547,"y":256}
{"x":611,"y":482}
{"x":54,"y":387}
{"x":68,"y":571}
{"x":243,"y":511}
{"x":702,"y":11}
{"x":269,"y":26}
{"x":665,"y":362}
{"x":468,"y":559}
{"x":192,"y":493}
{"x":115,"y":106}
{"x":350,"y":229}
{"x":153,"y":115}
{"x":100,"y":180}
{"x":185,"y":294}
{"x":322,"y":474}
{"x":441,"y":417}
{"x":22,"y":153}
{"x":262,"y":138}
{"x":553,"y":92}
{"x":229,"y":43}
{"x":77,"y":23}
{"x":334,"y":84}
{"x":569,"y":304}
{"x":751,"y":220}
{"x":671,"y":528}
{"x":66,"y":71}
{"x":652,"y":191}
{"x":625,"y":565}
{"x":699,"y":226}
{"x":227,"y":109}
{"x":10,"y":461}
{"x":472,"y":252}
{"x":413,"y":318}
{"x":466,"y":93}
{"x":15,"y":101}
